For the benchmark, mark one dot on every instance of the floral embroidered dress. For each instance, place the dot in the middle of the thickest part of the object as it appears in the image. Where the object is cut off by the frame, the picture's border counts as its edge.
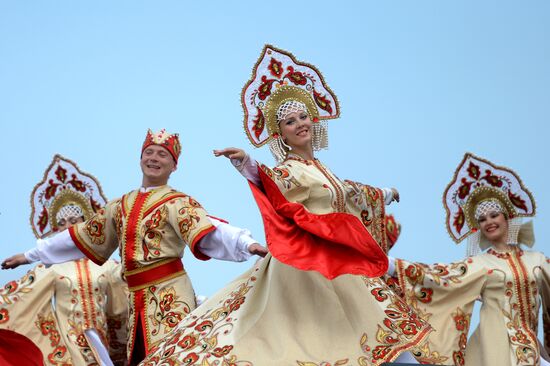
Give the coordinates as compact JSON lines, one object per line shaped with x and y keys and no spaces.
{"x":510,"y":286}
{"x":57,"y":307}
{"x":300,"y":305}
{"x":151,"y":229}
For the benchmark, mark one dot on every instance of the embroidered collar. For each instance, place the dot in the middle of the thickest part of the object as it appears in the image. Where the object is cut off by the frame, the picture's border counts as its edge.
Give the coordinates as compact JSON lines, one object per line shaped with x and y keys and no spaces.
{"x":296,"y":157}
{"x":149,"y":189}
{"x":505,"y":255}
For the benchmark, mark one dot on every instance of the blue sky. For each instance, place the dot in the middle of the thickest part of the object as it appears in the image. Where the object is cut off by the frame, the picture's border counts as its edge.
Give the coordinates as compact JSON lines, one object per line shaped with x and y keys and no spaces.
{"x":420,"y":83}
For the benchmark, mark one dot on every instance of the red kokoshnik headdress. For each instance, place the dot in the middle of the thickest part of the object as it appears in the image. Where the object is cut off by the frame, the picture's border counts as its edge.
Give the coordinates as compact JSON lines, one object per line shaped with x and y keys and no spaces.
{"x":170,"y":142}
{"x":278,"y":78}
{"x":478,"y":183}
{"x":64,"y":188}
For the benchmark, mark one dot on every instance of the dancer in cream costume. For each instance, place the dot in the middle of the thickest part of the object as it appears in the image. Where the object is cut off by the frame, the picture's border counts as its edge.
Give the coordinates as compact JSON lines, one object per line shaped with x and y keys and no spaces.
{"x":485,"y":203}
{"x":151,"y":226}
{"x":317,"y":298}
{"x":75,"y":312}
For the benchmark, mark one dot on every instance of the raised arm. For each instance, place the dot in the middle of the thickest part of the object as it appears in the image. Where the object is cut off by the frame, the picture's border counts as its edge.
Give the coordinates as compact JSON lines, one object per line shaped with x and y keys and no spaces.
{"x":247,"y":166}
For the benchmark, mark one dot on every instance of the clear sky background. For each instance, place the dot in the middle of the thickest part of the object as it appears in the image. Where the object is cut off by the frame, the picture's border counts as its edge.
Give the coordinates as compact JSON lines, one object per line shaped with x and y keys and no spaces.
{"x":420,"y":83}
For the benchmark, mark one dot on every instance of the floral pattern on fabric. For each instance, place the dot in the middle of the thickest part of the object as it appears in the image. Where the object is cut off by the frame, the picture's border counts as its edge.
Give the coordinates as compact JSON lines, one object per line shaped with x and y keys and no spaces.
{"x":400,"y":326}
{"x":167,"y":310}
{"x":149,"y":228}
{"x":58,"y":354}
{"x":84,"y":295}
{"x":508,"y":283}
{"x":521,"y":319}
{"x":197,"y":341}
{"x":152,"y":231}
{"x":12,"y":291}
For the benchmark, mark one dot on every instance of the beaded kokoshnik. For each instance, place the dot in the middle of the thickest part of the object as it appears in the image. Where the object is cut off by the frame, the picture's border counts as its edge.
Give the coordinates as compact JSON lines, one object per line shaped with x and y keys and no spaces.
{"x":281,"y":85}
{"x":480,"y":187}
{"x":64,"y":191}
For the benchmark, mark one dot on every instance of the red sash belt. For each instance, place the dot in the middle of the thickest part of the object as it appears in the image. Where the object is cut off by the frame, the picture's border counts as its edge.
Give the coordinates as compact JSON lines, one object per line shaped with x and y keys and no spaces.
{"x":153,"y":274}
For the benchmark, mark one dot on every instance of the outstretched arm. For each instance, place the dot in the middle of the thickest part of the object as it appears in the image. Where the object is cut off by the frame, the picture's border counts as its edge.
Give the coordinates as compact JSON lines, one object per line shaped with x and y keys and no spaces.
{"x":390,"y":195}
{"x":230,"y":243}
{"x":14,"y":261}
{"x":56,"y":249}
{"x":241,"y":160}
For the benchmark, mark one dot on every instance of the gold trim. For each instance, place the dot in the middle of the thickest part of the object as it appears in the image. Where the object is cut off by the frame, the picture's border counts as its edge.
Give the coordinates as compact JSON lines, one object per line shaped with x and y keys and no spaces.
{"x":83,"y":243}
{"x":254,"y":75}
{"x":482,"y":194}
{"x":338,"y":190}
{"x":284,"y":94}
{"x":448,"y":215}
{"x":69,"y":197}
{"x":55,"y":160}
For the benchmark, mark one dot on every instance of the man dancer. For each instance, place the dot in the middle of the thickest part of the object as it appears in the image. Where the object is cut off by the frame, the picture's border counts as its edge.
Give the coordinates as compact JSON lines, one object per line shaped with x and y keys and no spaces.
{"x":151,"y":227}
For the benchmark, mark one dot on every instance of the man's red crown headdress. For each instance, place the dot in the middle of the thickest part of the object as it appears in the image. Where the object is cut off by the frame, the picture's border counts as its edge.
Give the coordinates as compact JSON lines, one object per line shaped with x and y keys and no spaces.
{"x":170,"y":142}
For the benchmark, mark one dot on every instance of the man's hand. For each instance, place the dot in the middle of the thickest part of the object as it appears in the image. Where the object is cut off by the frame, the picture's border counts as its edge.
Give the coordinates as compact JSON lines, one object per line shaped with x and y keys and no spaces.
{"x":231,"y":153}
{"x":258,"y":249}
{"x":14,"y":261}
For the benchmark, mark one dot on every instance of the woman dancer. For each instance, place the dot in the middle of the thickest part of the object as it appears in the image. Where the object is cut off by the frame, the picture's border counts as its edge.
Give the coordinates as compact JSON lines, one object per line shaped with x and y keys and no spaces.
{"x":484,"y":203}
{"x":317,"y":299}
{"x":74,"y":312}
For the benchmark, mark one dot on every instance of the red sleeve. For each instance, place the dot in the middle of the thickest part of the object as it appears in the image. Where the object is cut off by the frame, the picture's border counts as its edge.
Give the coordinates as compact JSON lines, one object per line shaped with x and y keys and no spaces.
{"x":195,"y":248}
{"x":88,"y":252}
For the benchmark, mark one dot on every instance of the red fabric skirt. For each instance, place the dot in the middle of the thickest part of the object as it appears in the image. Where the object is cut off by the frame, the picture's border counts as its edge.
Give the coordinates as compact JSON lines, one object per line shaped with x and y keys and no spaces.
{"x":18,"y":350}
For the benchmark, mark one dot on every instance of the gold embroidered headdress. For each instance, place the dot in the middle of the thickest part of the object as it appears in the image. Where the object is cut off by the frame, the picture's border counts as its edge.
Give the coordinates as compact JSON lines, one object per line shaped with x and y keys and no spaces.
{"x":478,"y":187}
{"x":281,"y":85}
{"x":64,"y":191}
{"x":170,"y":141}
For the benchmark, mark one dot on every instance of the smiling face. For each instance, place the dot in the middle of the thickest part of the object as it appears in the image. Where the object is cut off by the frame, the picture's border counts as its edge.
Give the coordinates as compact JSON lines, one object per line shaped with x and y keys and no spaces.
{"x":296,"y":130}
{"x":494,"y":226}
{"x":156,"y":164}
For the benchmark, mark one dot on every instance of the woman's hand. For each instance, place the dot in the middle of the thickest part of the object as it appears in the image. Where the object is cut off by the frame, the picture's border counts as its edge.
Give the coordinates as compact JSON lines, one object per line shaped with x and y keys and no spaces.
{"x":14,"y":261}
{"x":231,"y":153}
{"x":395,"y":193}
{"x":258,"y":249}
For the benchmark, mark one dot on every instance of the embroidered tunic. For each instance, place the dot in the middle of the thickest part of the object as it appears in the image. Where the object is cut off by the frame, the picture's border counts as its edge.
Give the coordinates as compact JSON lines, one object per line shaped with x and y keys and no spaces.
{"x":151,"y":229}
{"x":66,"y":308}
{"x":287,"y":311}
{"x":509,"y":285}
